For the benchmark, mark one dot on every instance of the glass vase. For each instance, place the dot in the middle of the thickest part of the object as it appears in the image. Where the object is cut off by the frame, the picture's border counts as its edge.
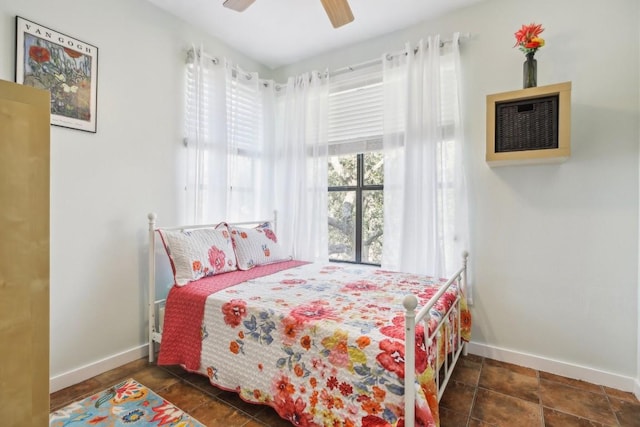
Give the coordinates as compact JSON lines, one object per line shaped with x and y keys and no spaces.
{"x":530,"y":71}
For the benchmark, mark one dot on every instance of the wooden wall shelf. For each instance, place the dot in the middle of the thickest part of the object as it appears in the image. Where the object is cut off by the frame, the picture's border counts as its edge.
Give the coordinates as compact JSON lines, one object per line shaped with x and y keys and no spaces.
{"x":529,"y":126}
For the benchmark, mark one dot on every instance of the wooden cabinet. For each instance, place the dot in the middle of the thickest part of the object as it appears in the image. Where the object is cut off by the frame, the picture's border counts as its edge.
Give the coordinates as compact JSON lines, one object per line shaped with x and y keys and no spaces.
{"x":24,"y":255}
{"x":529,"y":126}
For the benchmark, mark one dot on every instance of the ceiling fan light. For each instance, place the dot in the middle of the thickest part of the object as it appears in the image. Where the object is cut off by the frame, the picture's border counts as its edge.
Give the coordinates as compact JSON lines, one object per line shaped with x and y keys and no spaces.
{"x":238,"y":5}
{"x":339,"y":12}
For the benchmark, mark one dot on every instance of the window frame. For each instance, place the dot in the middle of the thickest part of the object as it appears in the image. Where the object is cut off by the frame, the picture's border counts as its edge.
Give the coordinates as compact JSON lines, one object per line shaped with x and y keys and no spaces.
{"x":359,"y":189}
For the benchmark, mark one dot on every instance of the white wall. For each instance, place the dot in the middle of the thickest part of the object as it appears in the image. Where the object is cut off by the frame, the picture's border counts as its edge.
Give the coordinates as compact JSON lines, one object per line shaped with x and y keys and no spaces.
{"x":104,"y":184}
{"x":554,"y":247}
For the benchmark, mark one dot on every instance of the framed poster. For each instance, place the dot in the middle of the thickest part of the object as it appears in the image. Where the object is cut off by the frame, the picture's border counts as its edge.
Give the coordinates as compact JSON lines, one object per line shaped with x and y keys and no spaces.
{"x":66,"y":66}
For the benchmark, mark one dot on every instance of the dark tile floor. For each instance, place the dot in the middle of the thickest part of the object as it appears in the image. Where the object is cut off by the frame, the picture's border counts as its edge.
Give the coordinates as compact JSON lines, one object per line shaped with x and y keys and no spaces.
{"x":482,"y":393}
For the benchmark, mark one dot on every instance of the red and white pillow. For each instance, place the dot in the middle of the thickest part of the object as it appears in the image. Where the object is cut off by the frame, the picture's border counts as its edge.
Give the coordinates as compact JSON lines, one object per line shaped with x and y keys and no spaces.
{"x":256,"y":246}
{"x":197,"y":253}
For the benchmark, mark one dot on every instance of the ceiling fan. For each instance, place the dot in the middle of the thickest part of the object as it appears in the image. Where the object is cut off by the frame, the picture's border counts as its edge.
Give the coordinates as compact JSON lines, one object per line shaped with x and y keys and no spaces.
{"x":338,"y":11}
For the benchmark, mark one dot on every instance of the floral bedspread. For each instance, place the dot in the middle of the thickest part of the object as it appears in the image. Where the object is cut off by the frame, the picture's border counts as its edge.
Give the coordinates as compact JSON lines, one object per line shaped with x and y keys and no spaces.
{"x":324,"y":344}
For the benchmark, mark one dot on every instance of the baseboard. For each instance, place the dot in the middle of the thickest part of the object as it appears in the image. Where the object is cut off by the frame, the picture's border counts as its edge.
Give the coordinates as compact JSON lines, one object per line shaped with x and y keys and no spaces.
{"x":591,"y":375}
{"x":556,"y":367}
{"x":78,"y":375}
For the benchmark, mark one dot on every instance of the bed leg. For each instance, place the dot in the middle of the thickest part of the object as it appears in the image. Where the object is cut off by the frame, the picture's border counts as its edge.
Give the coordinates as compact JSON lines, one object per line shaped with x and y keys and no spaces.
{"x":465,"y":349}
{"x":152,"y":283}
{"x":151,"y":352}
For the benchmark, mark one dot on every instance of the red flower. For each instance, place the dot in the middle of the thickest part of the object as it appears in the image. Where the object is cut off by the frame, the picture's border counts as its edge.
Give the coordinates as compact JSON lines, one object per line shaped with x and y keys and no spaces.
{"x":234,"y":311}
{"x":283,"y":387}
{"x":427,"y":293}
{"x":346,"y":389}
{"x":291,"y":327}
{"x":305,"y":342}
{"x":465,"y":319}
{"x":360,"y":285}
{"x":270,"y":235}
{"x":313,"y":311}
{"x":326,"y":398}
{"x":332,"y":382}
{"x":293,"y":411}
{"x":528,"y":38}
{"x":397,"y":331}
{"x":72,"y":53}
{"x":444,"y":302}
{"x":216,"y":258}
{"x":392,"y":357}
{"x":39,"y":54}
{"x":528,"y":32}
{"x":373,"y":421}
{"x":293,"y":281}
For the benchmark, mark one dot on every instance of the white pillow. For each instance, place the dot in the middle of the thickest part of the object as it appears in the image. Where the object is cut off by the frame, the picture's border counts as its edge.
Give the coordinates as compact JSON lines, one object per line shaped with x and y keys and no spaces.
{"x":198,"y":253}
{"x":256,"y":246}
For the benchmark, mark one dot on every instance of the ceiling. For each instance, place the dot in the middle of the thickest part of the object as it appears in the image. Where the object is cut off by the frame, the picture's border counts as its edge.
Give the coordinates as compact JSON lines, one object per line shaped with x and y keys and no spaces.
{"x":281,"y":32}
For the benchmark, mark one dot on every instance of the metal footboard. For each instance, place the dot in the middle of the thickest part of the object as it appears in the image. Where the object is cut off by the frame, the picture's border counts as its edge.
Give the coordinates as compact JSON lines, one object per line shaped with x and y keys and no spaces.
{"x":442,"y":330}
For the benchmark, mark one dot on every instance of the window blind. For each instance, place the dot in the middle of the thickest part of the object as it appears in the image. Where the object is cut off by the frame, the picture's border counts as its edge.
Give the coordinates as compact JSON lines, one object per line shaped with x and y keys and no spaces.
{"x":356,"y":111}
{"x":244,"y":114}
{"x":204,"y":100}
{"x":235,"y":103}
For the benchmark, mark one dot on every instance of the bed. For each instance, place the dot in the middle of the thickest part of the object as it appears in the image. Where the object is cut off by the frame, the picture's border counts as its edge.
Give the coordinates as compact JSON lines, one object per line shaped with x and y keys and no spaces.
{"x":324,"y":344}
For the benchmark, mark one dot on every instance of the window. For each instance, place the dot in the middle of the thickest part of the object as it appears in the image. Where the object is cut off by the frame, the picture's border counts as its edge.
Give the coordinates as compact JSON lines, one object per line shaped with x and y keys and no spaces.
{"x":356,"y":207}
{"x":228,"y":159}
{"x":355,"y":170}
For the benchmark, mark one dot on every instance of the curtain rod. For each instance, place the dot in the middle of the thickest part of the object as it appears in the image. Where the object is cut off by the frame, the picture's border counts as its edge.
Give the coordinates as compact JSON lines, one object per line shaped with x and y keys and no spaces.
{"x":369,"y":63}
{"x":216,"y":61}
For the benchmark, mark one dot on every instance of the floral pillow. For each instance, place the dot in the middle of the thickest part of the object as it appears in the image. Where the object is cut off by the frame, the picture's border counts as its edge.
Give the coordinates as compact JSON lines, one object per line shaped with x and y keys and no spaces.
{"x":198,"y":253}
{"x":257,"y":246}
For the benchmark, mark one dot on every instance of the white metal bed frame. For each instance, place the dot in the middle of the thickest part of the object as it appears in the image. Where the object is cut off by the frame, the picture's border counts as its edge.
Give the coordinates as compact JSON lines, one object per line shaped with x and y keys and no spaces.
{"x":412,"y":318}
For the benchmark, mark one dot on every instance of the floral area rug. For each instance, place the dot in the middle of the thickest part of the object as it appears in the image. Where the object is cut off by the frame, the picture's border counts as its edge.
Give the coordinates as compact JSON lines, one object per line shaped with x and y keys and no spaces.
{"x":128,"y":403}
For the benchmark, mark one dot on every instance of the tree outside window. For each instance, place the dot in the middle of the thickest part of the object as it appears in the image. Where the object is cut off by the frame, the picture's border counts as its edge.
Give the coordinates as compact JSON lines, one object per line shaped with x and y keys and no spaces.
{"x":356,"y":209}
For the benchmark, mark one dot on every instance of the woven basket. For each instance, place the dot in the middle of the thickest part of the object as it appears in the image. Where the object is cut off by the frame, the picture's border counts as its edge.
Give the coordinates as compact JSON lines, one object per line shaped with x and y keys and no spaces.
{"x":530,"y":124}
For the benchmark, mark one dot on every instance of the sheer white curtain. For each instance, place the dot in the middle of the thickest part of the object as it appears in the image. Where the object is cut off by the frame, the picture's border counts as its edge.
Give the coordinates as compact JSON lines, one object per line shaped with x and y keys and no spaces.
{"x":301,"y":167}
{"x":250,"y":141}
{"x":229,"y":128}
{"x":425,"y":212}
{"x":205,"y":138}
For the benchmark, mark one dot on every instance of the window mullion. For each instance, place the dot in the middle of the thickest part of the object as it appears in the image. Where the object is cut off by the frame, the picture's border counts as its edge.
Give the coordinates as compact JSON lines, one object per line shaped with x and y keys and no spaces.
{"x":360,"y":182}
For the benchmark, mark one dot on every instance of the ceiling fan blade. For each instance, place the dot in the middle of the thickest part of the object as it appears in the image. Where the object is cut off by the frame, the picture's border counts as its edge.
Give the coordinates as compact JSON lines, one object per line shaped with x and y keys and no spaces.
{"x":238,"y":5}
{"x":338,"y":11}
